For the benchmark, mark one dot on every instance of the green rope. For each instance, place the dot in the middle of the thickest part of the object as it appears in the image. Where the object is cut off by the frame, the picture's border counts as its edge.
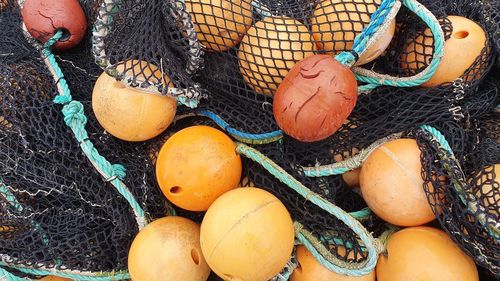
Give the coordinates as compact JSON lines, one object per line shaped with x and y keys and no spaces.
{"x":99,"y":276}
{"x":469,"y":200}
{"x":348,"y":164}
{"x":347,"y":219}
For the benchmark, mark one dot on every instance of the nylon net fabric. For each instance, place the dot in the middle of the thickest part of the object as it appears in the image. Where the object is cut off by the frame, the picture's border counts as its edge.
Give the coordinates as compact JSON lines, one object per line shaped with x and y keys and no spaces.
{"x":465,"y":192}
{"x":249,"y":48}
{"x":67,"y":216}
{"x":74,"y":218}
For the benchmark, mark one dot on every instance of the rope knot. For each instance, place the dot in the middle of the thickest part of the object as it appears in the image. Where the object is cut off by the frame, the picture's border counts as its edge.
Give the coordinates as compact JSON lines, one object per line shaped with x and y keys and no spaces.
{"x":347,"y":58}
{"x":60,"y":99}
{"x":73,"y":112}
{"x":118,"y":171}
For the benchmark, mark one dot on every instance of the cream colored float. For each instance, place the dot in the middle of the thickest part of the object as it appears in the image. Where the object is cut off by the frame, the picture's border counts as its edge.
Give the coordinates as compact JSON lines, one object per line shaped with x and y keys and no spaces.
{"x":133,"y":114}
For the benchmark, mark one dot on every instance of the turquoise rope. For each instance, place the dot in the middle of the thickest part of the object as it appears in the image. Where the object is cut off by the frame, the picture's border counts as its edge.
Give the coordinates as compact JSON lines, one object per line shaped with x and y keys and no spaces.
{"x":316,"y":199}
{"x":435,"y":28}
{"x":472,"y":203}
{"x":75,"y":118}
{"x":366,"y":88}
{"x":349,"y":164}
{"x":439,"y":137}
{"x":104,"y":276}
{"x":325,"y":172}
{"x":362,"y":214}
{"x":317,"y":255}
{"x":6,"y":275}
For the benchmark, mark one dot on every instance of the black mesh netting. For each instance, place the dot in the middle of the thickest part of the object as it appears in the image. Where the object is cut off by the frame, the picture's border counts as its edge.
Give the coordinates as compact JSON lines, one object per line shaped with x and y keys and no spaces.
{"x":70,"y":216}
{"x":473,"y":179}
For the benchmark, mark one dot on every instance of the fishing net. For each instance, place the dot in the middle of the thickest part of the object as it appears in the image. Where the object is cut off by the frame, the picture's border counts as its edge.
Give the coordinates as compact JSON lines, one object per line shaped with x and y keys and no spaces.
{"x":247,"y":49}
{"x":225,"y":60}
{"x":57,"y":210}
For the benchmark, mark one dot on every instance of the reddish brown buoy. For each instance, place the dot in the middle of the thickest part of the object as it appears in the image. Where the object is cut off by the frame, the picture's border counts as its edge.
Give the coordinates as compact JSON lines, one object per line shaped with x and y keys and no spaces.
{"x":315,"y":98}
{"x":44,"y":17}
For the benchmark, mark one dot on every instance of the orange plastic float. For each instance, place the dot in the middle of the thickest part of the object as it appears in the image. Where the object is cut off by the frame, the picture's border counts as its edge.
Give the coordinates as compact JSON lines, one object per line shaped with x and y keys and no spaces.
{"x":220,"y":24}
{"x":392,"y":185}
{"x":270,"y":49}
{"x":196,"y":166}
{"x":351,"y":178}
{"x":461,"y":50}
{"x":168,"y":249}
{"x":44,"y":17}
{"x":133,"y":114}
{"x":310,"y":269}
{"x":247,"y":234}
{"x":424,"y":253}
{"x":334,"y":31}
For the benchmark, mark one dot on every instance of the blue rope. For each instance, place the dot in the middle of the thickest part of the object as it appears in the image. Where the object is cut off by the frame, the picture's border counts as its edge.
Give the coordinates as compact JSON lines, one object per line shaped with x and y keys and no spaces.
{"x":377,"y":19}
{"x":239,"y":134}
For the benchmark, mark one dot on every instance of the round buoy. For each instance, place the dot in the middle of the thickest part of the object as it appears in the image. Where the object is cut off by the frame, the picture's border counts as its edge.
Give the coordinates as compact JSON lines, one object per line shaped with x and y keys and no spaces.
{"x":133,"y":114}
{"x":351,"y":178}
{"x":315,"y":98}
{"x":220,"y":24}
{"x":168,"y":249}
{"x":392,"y":185}
{"x":247,"y":234}
{"x":197,"y":165}
{"x":270,"y":49}
{"x":336,"y":23}
{"x":424,"y":253}
{"x":461,"y":50}
{"x":44,"y":17}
